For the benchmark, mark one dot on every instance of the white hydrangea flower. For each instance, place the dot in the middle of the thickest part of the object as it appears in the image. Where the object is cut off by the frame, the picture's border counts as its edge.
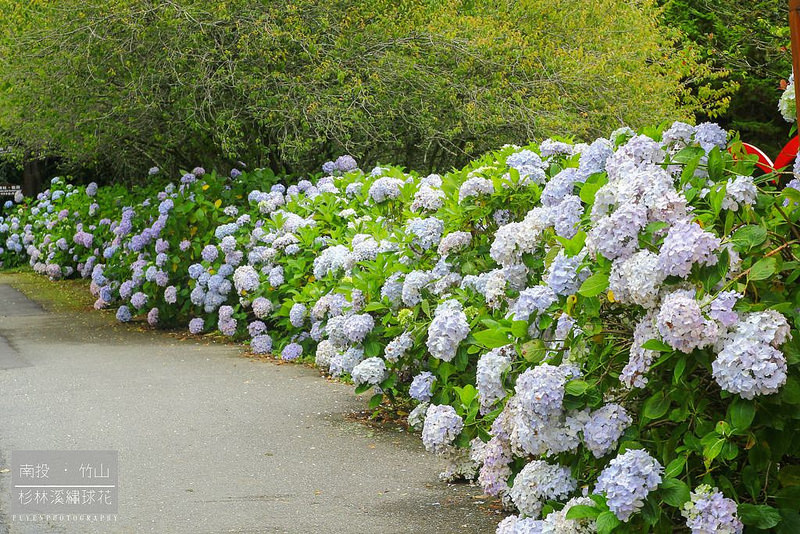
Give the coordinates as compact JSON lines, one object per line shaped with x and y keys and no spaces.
{"x":370,"y":371}
{"x":681,"y":323}
{"x":636,"y":279}
{"x":539,"y":482}
{"x":489,"y":376}
{"x":448,"y":328}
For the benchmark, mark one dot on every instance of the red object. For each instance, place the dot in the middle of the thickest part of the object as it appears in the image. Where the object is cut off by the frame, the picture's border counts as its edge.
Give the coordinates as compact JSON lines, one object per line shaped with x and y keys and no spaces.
{"x":787,"y":155}
{"x":764,"y":163}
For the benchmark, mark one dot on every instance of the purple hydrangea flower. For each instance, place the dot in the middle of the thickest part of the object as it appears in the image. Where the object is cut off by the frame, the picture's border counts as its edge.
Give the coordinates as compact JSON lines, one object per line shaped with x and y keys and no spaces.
{"x":442,"y":426}
{"x":139,"y":300}
{"x":710,"y":511}
{"x":196,"y":325}
{"x":421,"y":387}
{"x":123,"y":314}
{"x":539,"y":482}
{"x":152,"y":317}
{"x":292,"y":351}
{"x":261,"y":344}
{"x":627,"y":480}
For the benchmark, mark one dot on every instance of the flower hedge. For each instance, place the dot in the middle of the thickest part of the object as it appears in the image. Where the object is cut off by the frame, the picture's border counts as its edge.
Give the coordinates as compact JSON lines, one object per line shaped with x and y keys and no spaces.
{"x":604,"y":335}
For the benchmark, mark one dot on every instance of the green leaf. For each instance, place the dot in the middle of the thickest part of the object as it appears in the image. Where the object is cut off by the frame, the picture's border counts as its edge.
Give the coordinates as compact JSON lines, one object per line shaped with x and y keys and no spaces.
{"x":715,"y":164}
{"x":534,"y":351}
{"x":763,"y":269}
{"x":742,"y":413}
{"x":790,"y":392}
{"x":789,"y":475}
{"x":788,"y":498}
{"x":362,"y":388}
{"x":759,"y":515}
{"x":519,"y":328}
{"x":607,"y":522}
{"x":680,"y":367}
{"x":573,"y":246}
{"x":582,"y":511}
{"x":656,"y":406}
{"x":576,"y":387}
{"x":716,"y":196}
{"x":491,"y":338}
{"x":790,"y":521}
{"x":690,"y":153}
{"x":594,"y":285}
{"x":426,"y":307}
{"x":467,"y":394}
{"x":657,"y":345}
{"x":375,"y":401}
{"x":675,"y":492}
{"x":374,"y":306}
{"x":590,"y":187}
{"x":749,"y":236}
{"x":675,"y":467}
{"x":711,"y":449}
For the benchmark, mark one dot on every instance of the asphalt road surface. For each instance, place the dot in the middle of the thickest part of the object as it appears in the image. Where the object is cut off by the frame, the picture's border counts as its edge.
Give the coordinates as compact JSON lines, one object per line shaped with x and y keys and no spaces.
{"x":208,"y":440}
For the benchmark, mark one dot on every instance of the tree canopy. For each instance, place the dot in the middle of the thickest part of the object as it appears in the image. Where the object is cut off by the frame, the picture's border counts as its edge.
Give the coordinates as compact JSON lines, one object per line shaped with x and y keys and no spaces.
{"x":123,"y":85}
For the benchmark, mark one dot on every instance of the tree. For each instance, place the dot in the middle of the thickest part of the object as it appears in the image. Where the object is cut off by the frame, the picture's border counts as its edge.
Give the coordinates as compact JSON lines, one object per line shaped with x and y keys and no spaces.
{"x":121,"y":86}
{"x":748,"y":42}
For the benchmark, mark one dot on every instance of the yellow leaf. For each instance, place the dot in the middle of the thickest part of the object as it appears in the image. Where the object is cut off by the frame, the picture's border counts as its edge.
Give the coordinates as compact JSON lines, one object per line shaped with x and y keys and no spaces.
{"x":611,"y":296}
{"x":571,"y":300}
{"x":192,"y":231}
{"x":218,"y":203}
{"x":206,"y":186}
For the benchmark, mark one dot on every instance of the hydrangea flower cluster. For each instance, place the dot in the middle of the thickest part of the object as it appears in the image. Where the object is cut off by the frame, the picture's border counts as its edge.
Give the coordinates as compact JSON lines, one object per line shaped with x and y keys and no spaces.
{"x":448,"y":328}
{"x":627,"y":480}
{"x":538,"y":482}
{"x":442,"y":425}
{"x":710,"y":511}
{"x":489,"y":379}
{"x":748,"y":363}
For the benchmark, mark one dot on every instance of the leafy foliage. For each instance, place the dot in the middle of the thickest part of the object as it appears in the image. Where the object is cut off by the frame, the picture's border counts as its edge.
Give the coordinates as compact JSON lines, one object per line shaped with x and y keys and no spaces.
{"x":126,"y":85}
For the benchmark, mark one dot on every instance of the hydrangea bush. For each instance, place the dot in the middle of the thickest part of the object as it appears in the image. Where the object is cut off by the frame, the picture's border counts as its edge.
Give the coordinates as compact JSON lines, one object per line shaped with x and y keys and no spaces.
{"x":603,"y":335}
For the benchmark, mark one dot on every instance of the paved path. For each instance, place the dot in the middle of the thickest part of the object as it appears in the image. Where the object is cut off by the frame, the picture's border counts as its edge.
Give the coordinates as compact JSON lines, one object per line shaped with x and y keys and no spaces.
{"x":208,"y":440}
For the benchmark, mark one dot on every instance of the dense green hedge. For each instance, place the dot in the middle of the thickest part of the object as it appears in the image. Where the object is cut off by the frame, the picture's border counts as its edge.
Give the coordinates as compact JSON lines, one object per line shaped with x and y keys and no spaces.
{"x":123,"y":86}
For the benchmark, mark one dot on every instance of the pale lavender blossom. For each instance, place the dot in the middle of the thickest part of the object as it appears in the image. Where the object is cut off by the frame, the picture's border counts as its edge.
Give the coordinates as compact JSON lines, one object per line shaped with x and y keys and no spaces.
{"x":627,"y":480}
{"x":447,"y":330}
{"x":442,"y":426}
{"x":421,"y":387}
{"x":710,"y":512}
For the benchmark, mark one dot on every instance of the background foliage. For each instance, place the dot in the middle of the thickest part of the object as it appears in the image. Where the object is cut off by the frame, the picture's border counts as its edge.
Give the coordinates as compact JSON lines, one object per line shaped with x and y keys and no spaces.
{"x":750,"y":42}
{"x":124,"y":85}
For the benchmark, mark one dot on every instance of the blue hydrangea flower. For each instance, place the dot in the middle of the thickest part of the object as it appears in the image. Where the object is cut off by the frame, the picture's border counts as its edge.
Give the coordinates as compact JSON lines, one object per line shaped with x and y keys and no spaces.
{"x":539,"y":482}
{"x":297,"y":314}
{"x":123,"y":314}
{"x":627,"y":480}
{"x":261,"y":344}
{"x":447,"y":330}
{"x":421,"y":387}
{"x":709,"y":511}
{"x":442,"y":426}
{"x":292,"y":351}
{"x":370,"y":371}
{"x":604,"y":428}
{"x":196,"y":325}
